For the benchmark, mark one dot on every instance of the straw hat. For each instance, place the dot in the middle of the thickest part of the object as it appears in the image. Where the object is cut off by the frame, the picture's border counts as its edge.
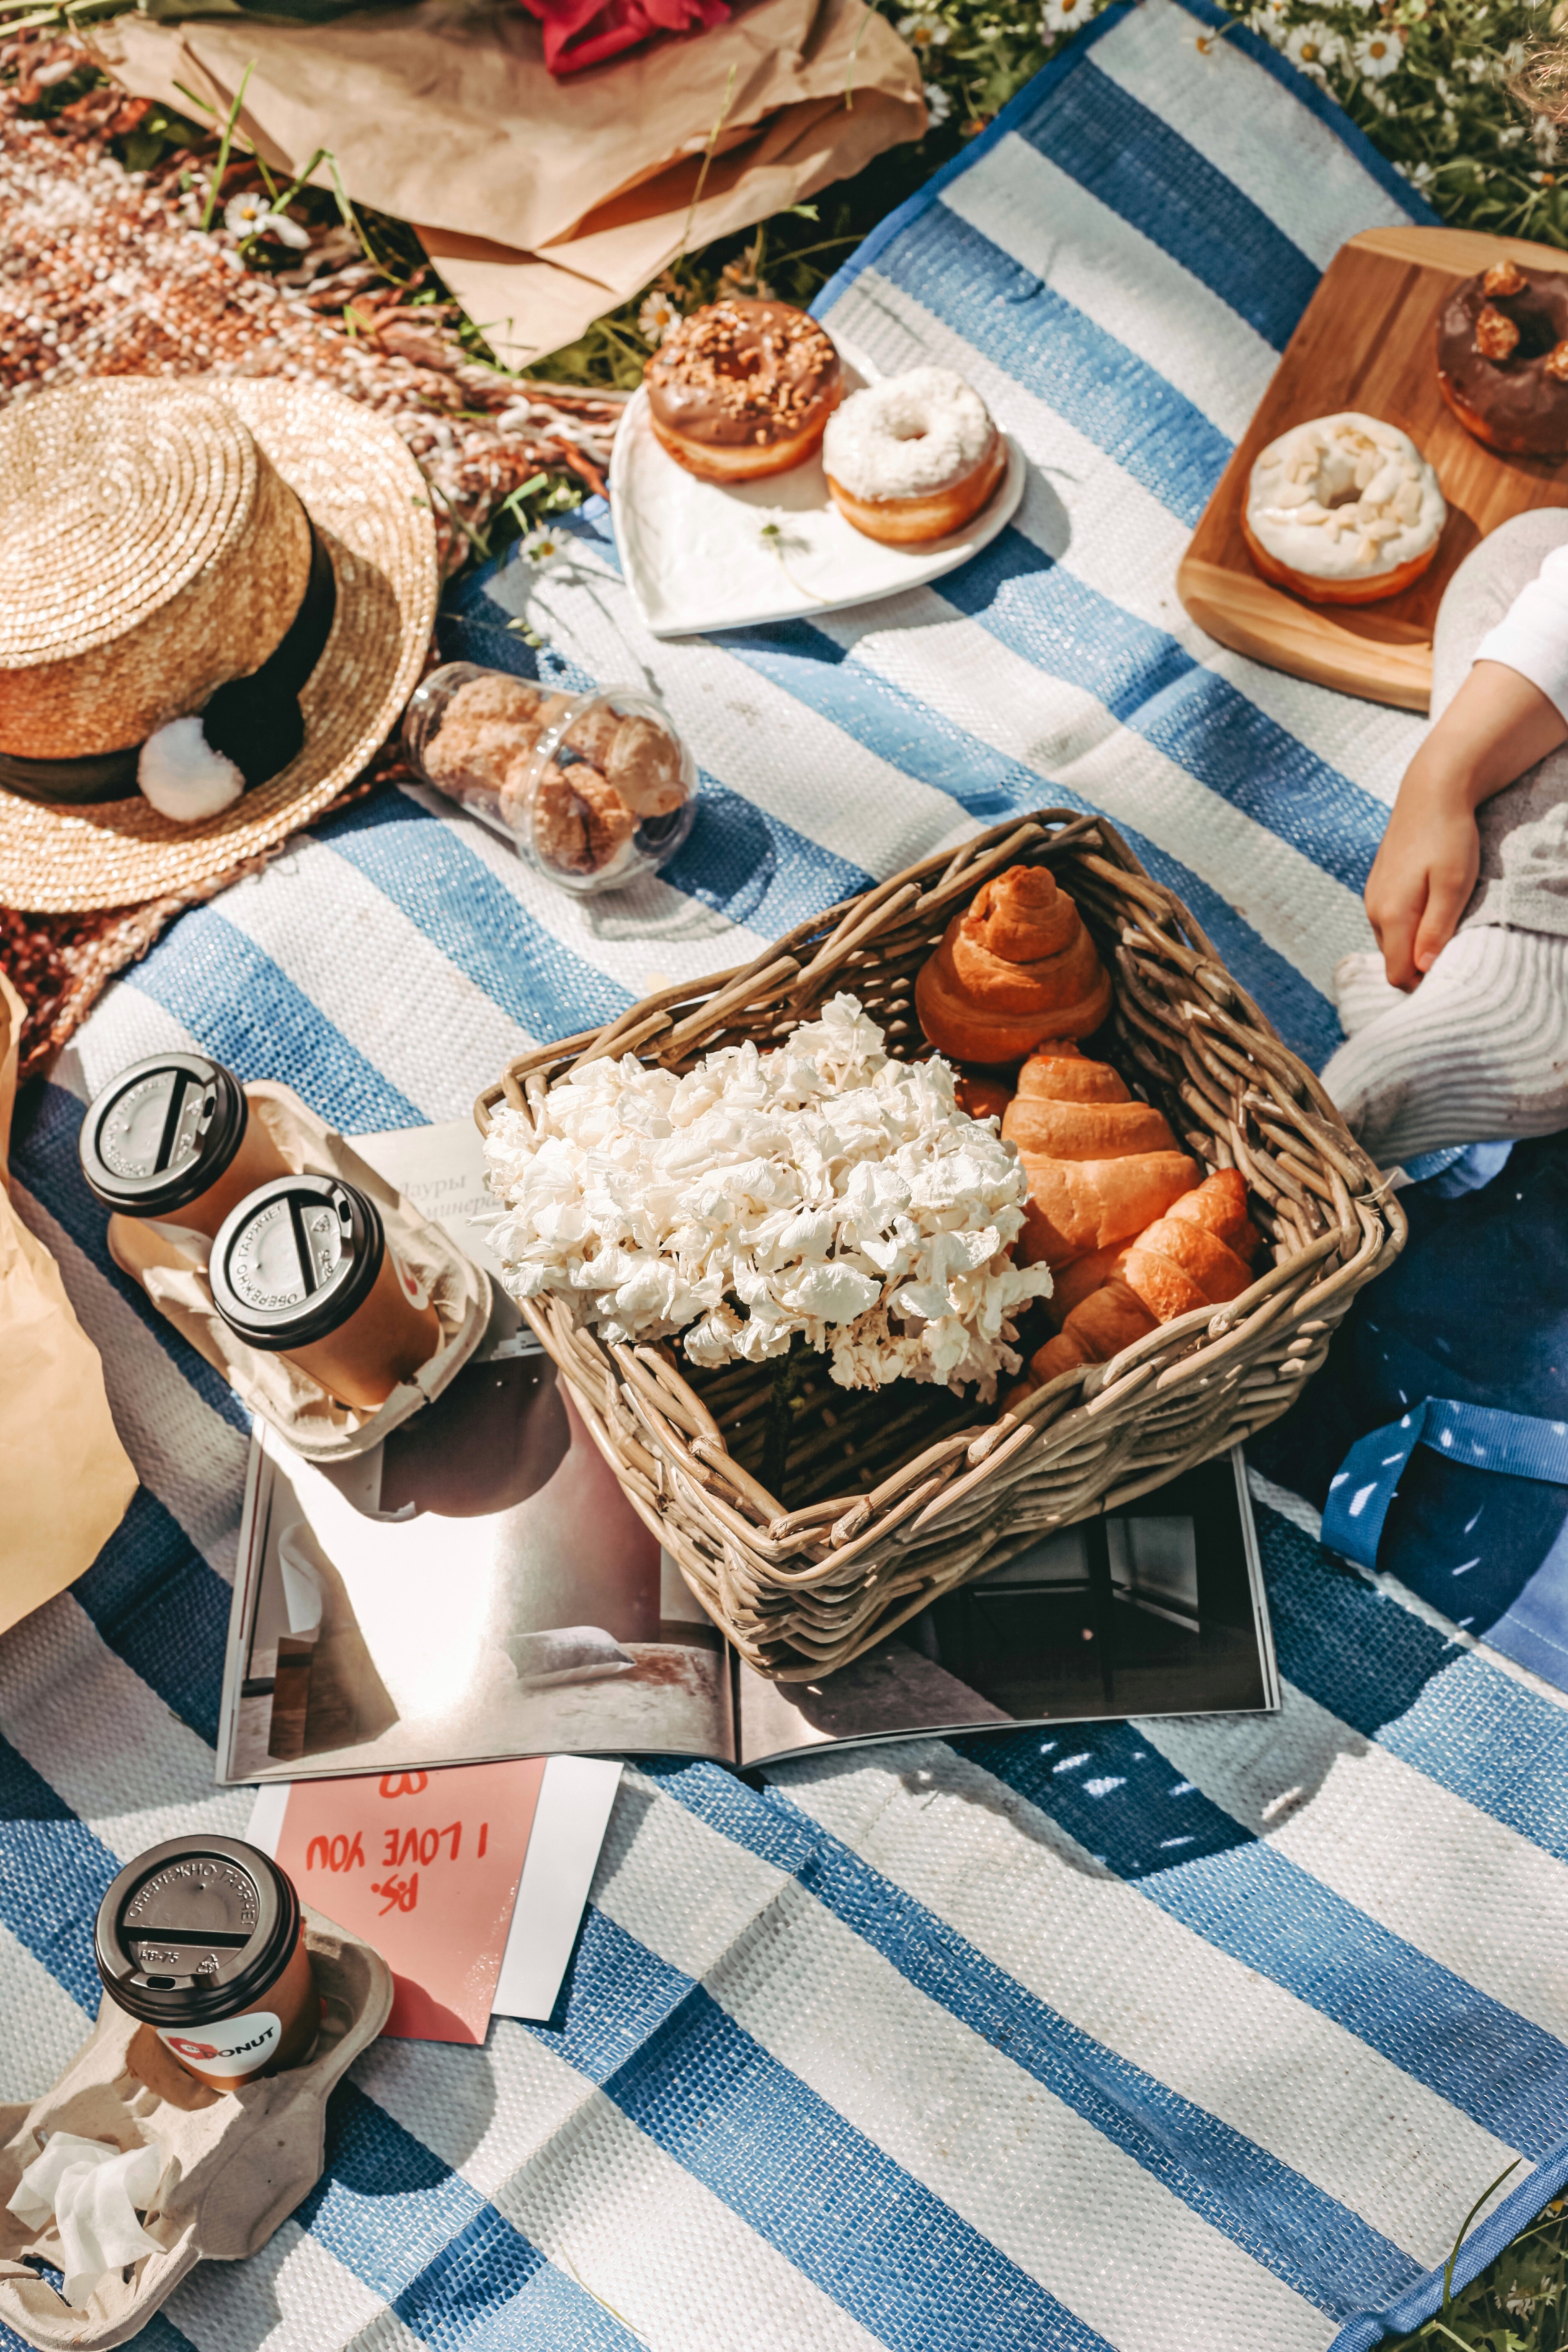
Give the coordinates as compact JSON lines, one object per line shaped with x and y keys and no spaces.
{"x":163,"y":538}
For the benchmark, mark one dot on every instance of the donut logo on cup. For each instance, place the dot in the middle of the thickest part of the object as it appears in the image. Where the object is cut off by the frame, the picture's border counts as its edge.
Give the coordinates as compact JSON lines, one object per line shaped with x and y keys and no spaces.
{"x":244,"y":2045}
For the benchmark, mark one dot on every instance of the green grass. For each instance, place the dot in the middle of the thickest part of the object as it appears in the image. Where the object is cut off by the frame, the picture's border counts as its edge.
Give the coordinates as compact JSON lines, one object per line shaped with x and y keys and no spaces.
{"x":1519,"y":2304}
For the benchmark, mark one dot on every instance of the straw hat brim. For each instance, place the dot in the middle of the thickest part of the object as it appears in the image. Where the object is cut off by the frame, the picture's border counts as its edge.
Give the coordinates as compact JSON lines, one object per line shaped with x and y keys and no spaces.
{"x":371,"y":510}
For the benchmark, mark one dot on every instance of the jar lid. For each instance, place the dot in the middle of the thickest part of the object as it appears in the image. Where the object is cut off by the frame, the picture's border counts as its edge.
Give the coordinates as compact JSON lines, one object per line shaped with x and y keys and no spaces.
{"x":294,"y":1260}
{"x":196,"y":1930}
{"x":161,"y":1133}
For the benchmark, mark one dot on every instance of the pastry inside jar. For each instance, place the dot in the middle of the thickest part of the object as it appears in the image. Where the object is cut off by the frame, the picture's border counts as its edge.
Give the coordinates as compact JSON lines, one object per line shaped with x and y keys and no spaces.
{"x":581,"y":823}
{"x":468,"y":731}
{"x":595,"y":788}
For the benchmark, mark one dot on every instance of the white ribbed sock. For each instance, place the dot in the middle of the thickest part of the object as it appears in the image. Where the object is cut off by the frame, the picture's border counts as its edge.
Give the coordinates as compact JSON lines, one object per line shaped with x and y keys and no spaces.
{"x":1478,"y":1052}
{"x":1362,"y":990}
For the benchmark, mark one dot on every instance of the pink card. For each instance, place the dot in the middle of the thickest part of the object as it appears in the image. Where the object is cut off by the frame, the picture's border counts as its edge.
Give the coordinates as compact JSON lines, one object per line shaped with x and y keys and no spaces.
{"x":423,"y":1866}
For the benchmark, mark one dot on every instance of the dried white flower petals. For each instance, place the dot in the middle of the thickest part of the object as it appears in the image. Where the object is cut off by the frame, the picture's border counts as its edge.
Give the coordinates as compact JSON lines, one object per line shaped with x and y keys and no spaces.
{"x":822,"y":1189}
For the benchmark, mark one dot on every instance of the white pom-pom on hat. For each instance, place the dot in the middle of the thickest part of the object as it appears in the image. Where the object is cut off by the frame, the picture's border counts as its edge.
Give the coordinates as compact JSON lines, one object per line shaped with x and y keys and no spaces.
{"x":183,"y":776}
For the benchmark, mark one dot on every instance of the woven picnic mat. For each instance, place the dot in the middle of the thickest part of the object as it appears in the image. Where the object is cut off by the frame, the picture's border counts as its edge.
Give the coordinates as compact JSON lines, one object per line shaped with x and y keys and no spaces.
{"x":1162,"y":2036}
{"x":106,"y":272}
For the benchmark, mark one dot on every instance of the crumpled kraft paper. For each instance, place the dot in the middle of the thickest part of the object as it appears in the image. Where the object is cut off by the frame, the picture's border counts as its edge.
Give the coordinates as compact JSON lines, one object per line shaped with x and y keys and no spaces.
{"x":65,"y":1481}
{"x":545,"y":202}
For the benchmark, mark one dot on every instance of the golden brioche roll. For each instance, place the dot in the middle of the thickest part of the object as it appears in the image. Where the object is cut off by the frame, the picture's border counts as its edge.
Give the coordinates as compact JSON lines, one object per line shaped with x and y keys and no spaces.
{"x":1015,"y":967}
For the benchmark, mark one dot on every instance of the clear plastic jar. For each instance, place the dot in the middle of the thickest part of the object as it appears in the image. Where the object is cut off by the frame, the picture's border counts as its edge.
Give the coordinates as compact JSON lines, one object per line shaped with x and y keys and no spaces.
{"x":593,"y":789}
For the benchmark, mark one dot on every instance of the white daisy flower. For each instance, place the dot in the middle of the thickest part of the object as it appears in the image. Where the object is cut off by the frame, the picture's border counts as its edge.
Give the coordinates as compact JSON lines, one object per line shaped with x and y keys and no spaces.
{"x":924,"y":31}
{"x":246,"y":215}
{"x":1480,"y":68}
{"x":1381,"y":103}
{"x":544,"y":546}
{"x":1205,"y":43}
{"x":1544,"y":132}
{"x":1063,"y":17}
{"x":939,"y":106}
{"x":1379,"y":53}
{"x":658,"y":317}
{"x":250,"y":216}
{"x":1422,"y":174}
{"x":1520,"y":2301}
{"x":1510,"y":134}
{"x":1514,"y":56}
{"x":1313,"y":48}
{"x":1268,"y":19}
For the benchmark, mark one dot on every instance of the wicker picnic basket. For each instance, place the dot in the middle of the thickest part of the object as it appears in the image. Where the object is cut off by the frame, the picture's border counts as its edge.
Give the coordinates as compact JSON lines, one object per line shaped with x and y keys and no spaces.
{"x":812,"y":1521}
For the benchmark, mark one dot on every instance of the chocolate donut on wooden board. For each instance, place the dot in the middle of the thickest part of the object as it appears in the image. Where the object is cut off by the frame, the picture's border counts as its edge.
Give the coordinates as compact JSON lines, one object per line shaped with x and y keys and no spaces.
{"x":1502,"y":358}
{"x":742,"y":388}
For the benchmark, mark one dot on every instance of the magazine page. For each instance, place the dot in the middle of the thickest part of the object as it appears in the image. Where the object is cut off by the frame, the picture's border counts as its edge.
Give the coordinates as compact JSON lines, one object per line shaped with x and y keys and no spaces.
{"x":1155,"y":1610}
{"x":476,"y":1587}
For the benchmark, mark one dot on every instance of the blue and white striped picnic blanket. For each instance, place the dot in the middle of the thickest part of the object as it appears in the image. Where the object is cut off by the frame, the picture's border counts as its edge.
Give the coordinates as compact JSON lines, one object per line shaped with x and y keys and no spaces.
{"x":1169,"y":2037}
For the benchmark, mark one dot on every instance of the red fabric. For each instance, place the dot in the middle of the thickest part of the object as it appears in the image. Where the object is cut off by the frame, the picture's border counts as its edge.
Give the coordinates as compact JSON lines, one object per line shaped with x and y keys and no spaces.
{"x":579,"y":33}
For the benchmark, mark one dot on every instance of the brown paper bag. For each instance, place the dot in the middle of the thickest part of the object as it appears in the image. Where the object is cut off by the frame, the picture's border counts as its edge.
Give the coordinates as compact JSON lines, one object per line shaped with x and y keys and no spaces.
{"x":545,"y":202}
{"x":64,"y":1478}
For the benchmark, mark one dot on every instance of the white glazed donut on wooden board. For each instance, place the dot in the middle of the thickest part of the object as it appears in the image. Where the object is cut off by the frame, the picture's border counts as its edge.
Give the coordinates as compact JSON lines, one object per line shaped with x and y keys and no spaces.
{"x":1344,"y":498}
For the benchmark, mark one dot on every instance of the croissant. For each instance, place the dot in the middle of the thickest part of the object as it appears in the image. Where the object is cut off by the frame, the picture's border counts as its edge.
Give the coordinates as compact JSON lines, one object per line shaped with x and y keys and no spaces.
{"x":1016,"y":967}
{"x":1196,"y":1254}
{"x":1100,"y":1164}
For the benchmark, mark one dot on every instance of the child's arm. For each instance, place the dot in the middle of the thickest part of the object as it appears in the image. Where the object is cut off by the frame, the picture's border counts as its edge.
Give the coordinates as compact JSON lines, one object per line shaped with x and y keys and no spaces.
{"x":1507,"y":714}
{"x":1497,"y":725}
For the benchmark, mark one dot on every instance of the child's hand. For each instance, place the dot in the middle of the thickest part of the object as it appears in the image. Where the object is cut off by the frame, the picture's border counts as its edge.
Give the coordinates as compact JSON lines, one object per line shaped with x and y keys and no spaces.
{"x":1497,"y":725}
{"x":1423,"y":874}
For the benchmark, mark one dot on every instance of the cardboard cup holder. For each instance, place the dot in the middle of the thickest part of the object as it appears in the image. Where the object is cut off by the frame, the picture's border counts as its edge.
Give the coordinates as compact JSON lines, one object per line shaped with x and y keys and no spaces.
{"x":237,"y":2163}
{"x":172,"y":1270}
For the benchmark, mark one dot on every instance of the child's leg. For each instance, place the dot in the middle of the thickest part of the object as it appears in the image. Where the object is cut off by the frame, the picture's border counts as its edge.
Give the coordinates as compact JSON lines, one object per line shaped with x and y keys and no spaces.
{"x":1479,"y":1050}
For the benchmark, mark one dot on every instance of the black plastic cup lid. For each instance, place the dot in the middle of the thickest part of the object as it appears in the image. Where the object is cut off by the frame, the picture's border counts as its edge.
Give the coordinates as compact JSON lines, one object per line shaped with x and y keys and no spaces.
{"x":161,"y":1133}
{"x":196,"y":1930}
{"x":294,"y":1260}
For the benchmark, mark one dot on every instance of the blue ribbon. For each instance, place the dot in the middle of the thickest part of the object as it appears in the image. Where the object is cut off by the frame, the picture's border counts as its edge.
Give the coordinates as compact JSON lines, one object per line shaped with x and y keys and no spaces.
{"x":1516,"y":1445}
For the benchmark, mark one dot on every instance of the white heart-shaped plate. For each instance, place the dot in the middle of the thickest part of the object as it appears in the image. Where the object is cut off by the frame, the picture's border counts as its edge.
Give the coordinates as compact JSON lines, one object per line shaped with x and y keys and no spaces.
{"x":698,"y":557}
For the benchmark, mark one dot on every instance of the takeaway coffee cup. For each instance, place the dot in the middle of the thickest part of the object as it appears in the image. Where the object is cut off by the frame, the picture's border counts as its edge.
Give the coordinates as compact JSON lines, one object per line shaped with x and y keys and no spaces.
{"x":200,"y":1939}
{"x":172,"y":1138}
{"x":302,"y":1269}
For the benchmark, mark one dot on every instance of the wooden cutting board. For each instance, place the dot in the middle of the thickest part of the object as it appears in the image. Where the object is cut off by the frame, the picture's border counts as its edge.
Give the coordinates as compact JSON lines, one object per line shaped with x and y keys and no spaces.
{"x":1366,"y":342}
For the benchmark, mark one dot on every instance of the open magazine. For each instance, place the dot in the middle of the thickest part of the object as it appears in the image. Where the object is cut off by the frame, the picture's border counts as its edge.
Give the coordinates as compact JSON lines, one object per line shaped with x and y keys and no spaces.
{"x":478,"y":1586}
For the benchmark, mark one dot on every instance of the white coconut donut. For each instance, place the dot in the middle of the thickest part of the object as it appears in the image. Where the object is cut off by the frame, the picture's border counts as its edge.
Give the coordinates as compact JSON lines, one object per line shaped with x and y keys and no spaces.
{"x":914,"y":456}
{"x":1343,"y":509}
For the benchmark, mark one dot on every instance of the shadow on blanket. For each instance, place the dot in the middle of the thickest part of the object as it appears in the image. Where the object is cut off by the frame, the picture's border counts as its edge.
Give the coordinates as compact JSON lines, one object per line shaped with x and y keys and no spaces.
{"x":1475,"y":1311}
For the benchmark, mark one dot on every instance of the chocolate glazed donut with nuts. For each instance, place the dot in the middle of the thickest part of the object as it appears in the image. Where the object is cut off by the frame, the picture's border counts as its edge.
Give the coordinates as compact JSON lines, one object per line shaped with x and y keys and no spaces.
{"x":1502,"y":359}
{"x":741,"y":389}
